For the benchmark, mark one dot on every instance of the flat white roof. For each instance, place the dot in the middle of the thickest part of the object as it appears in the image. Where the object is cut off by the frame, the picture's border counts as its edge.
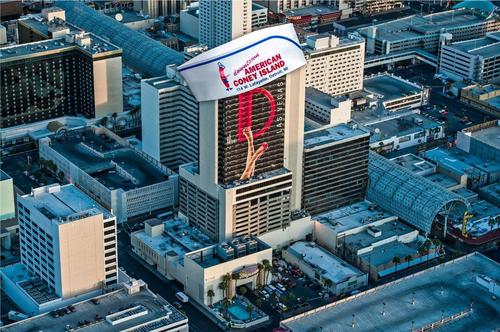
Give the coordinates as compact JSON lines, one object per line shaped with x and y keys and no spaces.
{"x":55,"y":201}
{"x":330,"y":265}
{"x":353,"y":216}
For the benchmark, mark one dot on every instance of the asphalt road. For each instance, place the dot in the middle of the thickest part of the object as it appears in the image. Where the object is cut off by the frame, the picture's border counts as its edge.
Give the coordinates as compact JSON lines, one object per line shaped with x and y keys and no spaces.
{"x":198,"y":322}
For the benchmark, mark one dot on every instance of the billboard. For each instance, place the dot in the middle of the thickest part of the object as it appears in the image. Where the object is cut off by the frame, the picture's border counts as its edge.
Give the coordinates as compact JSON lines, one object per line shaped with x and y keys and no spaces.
{"x":243,"y":64}
{"x":251,"y":133}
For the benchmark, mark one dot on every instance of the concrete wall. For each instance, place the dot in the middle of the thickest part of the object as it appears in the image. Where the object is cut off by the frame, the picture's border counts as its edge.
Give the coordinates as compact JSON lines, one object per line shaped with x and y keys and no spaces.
{"x":81,"y":249}
{"x":199,"y":280}
{"x":297,"y":230}
{"x":108,"y":93}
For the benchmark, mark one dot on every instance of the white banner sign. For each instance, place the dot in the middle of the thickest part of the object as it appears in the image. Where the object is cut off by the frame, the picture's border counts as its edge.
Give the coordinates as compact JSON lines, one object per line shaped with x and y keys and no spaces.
{"x":244,"y":63}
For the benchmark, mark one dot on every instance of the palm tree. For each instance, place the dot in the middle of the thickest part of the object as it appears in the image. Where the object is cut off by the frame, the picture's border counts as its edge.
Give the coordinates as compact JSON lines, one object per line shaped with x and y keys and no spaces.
{"x":267,"y":268}
{"x":242,"y":290}
{"x":249,"y":309}
{"x":222,"y":287}
{"x":408,"y":259}
{"x":396,"y":260}
{"x":327,"y":283}
{"x":491,"y":223}
{"x":211,"y":295}
{"x":258,"y":302}
{"x":260,"y":267}
{"x":437,"y":244}
{"x":225,"y":305}
{"x":236,"y":276}
{"x":227,"y":282}
{"x":114,"y":116}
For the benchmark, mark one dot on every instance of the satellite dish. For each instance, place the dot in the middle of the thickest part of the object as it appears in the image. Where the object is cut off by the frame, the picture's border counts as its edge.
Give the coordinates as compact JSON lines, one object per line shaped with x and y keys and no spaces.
{"x":119,"y":17}
{"x":377,"y":130}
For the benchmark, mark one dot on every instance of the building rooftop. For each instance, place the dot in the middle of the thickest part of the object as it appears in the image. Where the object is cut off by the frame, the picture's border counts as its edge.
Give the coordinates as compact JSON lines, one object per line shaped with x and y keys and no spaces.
{"x":478,"y":225}
{"x":486,"y":46}
{"x":460,"y":288}
{"x":333,"y":134}
{"x":96,"y":48}
{"x":415,"y":164}
{"x":36,"y":288}
{"x":326,"y":264}
{"x":139,"y":51}
{"x":419,"y":26}
{"x":399,"y":127}
{"x":353,"y":216}
{"x":64,"y":203}
{"x":116,"y":311}
{"x":390,"y":87}
{"x":489,"y":136}
{"x":311,"y":10}
{"x":108,"y":161}
{"x":443,"y":180}
{"x":322,"y":98}
{"x":227,"y":251}
{"x":128,"y":16}
{"x":178,"y":238}
{"x":388,"y":230}
{"x":384,"y":254}
{"x":4,"y":176}
{"x":460,"y":162}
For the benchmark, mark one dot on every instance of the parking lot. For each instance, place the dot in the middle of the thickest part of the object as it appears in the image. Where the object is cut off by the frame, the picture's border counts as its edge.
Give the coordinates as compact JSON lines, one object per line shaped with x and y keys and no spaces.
{"x":289,"y":293}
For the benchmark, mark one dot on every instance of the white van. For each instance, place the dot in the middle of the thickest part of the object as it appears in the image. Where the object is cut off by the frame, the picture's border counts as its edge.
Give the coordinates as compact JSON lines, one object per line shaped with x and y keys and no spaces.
{"x":182,"y":297}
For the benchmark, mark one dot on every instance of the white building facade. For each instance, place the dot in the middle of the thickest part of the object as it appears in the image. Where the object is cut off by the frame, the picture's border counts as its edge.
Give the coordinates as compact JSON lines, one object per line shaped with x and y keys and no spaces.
{"x":169,"y":120}
{"x":335,"y":66}
{"x":222,"y":21}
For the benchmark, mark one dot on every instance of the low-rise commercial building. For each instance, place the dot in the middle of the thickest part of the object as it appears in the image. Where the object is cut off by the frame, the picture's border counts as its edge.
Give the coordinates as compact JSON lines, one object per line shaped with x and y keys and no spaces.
{"x":477,"y":59}
{"x":430,"y":171}
{"x":237,"y":261}
{"x":392,"y":93}
{"x":68,"y":249}
{"x":404,"y":132}
{"x":325,"y":109}
{"x":183,"y":253}
{"x":163,"y":245}
{"x":438,"y":296}
{"x":387,"y":248}
{"x":424,"y":32}
{"x":334,"y":64}
{"x":331,"y":227}
{"x":131,"y":308}
{"x":484,"y":97}
{"x":335,"y":167}
{"x":121,"y":178}
{"x":321,"y":265}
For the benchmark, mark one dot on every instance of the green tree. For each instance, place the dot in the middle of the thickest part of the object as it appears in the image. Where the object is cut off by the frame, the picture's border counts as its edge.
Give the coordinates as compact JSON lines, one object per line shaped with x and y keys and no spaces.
{"x":249,"y":308}
{"x":258,"y":302}
{"x":408,"y":259}
{"x":396,"y":260}
{"x":242,"y":290}
{"x":327,"y":283}
{"x":491,"y":223}
{"x":211,"y":294}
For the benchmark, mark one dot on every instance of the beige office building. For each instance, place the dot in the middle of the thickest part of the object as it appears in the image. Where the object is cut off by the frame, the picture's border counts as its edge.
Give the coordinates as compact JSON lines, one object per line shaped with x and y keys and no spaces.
{"x":334,"y":65}
{"x":67,"y":240}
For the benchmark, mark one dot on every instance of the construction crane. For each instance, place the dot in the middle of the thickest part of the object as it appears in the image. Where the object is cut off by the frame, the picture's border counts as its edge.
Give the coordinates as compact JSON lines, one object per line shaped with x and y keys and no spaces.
{"x":467,"y":217}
